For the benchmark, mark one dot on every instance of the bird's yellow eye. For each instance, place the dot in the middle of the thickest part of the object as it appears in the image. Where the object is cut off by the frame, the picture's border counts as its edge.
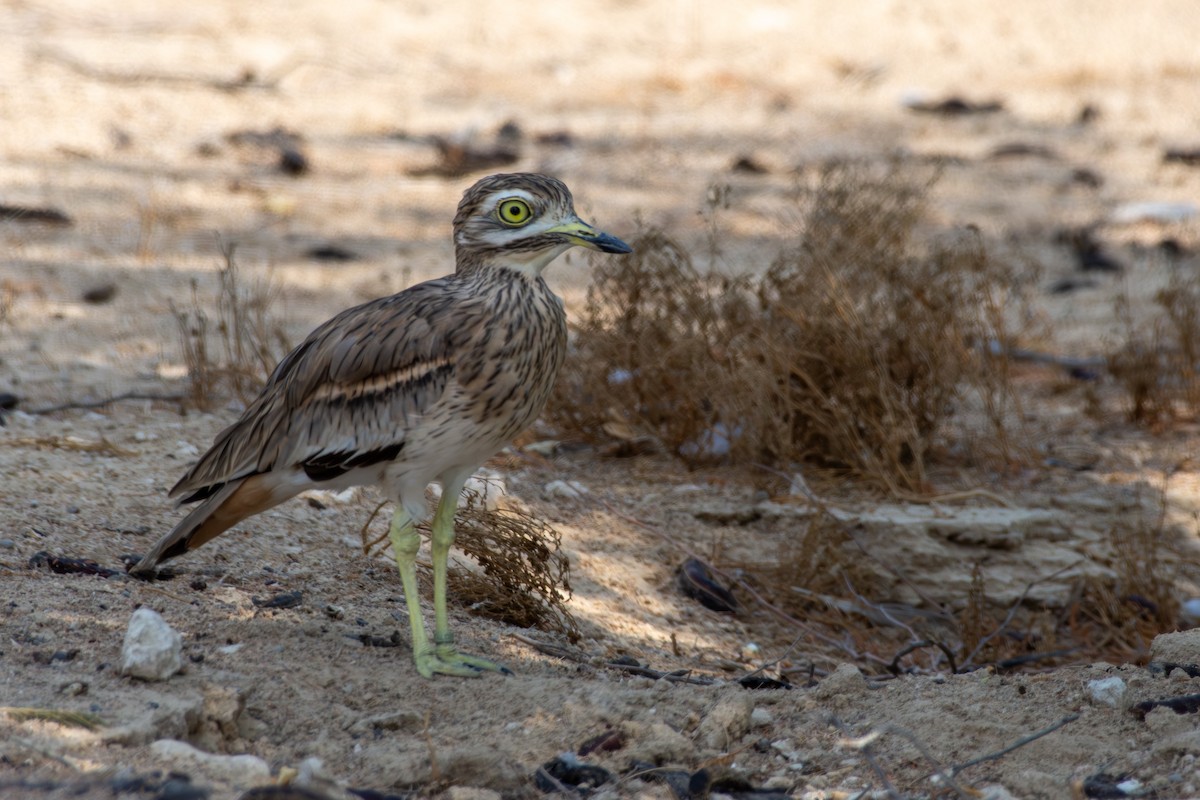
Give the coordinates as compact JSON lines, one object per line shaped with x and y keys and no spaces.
{"x":514,"y":212}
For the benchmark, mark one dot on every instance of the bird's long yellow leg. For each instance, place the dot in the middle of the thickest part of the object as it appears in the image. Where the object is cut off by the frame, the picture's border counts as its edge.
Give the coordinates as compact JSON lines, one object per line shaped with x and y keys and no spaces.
{"x":441,"y":537}
{"x":405,"y":544}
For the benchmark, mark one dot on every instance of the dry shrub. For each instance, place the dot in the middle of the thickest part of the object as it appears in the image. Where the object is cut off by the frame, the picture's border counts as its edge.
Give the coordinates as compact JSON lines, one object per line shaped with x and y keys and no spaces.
{"x":1121,"y":616}
{"x":523,"y":577}
{"x":249,"y":341}
{"x":1158,"y":363}
{"x":854,"y":348}
{"x":520,"y":575}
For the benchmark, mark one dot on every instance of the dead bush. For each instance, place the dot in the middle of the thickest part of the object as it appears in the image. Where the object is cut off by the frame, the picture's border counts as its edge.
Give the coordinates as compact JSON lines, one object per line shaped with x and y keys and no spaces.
{"x":234,"y":354}
{"x":1157,"y":364}
{"x":518,"y":573}
{"x":522,"y":577}
{"x":854,"y":348}
{"x":1122,"y":615}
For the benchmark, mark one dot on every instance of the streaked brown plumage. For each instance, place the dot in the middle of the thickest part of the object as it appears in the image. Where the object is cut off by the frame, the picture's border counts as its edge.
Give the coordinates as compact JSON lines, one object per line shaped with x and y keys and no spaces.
{"x":407,"y":390}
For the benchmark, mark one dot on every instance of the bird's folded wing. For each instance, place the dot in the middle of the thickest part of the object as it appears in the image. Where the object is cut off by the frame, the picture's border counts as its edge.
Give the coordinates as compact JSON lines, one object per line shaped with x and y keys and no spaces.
{"x":350,"y":394}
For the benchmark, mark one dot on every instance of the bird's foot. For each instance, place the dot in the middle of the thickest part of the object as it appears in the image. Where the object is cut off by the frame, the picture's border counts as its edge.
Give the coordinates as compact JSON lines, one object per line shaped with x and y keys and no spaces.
{"x":446,"y":660}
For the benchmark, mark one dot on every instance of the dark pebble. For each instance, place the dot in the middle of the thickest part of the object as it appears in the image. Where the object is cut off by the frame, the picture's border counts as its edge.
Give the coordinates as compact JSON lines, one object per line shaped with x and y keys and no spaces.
{"x":1172,"y":248}
{"x":25,"y":214}
{"x":1087,"y":177}
{"x":179,"y":787}
{"x":281,"y":600}
{"x":956,"y":106}
{"x":1189,"y":157}
{"x":1067,"y":285}
{"x":98,"y":295}
{"x":330,"y":252}
{"x":762,"y":682}
{"x":747,"y":165}
{"x":293,"y":162}
{"x":556,"y":139}
{"x":697,"y":582}
{"x":1022,"y":150}
{"x":605,"y":742}
{"x":1088,"y":114}
{"x":566,"y":771}
{"x":290,"y":792}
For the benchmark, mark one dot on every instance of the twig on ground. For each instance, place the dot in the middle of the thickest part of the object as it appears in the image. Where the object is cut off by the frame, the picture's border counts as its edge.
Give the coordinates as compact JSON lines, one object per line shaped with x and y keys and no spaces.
{"x":940,"y":771}
{"x":245,"y":80}
{"x":952,"y":497}
{"x":863,"y":745}
{"x":1024,"y":740}
{"x":86,"y":404}
{"x":894,"y":667}
{"x":1012,"y":612}
{"x":362,"y":533}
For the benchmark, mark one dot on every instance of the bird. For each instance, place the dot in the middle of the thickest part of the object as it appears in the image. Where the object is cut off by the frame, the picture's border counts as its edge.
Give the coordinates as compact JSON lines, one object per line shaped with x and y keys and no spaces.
{"x":404,"y":391}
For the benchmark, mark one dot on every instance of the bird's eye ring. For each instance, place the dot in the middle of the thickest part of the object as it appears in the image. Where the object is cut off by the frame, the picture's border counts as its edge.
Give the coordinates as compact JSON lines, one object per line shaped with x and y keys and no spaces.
{"x":514,"y":212}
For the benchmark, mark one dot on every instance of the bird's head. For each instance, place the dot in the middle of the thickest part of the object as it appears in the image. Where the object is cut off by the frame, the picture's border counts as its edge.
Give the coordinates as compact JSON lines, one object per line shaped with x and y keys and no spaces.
{"x":522,"y":221}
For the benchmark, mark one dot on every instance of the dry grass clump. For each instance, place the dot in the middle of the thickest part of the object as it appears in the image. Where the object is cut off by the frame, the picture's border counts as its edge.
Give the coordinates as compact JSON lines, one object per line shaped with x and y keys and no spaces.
{"x":1122,"y":616}
{"x":520,"y":575}
{"x":523,"y":577}
{"x":1158,"y":364}
{"x":234,"y":354}
{"x":853,"y":349}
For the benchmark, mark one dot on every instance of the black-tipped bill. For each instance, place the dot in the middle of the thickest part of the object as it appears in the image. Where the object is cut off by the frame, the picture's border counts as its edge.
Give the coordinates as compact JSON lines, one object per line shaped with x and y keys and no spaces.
{"x":580,"y":233}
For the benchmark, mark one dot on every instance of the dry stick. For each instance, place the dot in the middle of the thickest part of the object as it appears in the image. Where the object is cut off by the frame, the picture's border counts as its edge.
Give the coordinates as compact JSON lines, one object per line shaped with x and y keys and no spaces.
{"x":895,"y":665}
{"x":79,"y":404}
{"x":953,"y":496}
{"x":245,"y":81}
{"x":1033,"y":737}
{"x":863,"y":745}
{"x":939,"y":770}
{"x":1012,"y":612}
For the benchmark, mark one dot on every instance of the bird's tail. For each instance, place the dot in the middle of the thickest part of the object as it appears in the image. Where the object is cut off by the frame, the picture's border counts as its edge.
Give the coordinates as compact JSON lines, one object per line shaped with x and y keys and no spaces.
{"x":233,"y":503}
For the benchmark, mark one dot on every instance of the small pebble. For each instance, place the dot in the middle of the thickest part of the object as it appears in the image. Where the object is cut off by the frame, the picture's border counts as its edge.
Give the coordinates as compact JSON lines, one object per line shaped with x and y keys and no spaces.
{"x":1190,"y":610}
{"x":1107,"y":691}
{"x":7,"y":544}
{"x":153,"y":650}
{"x":760,"y":718}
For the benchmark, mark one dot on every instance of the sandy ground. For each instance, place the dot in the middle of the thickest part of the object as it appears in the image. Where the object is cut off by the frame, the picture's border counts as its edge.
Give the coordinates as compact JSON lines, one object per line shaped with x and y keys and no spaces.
{"x":120,"y":116}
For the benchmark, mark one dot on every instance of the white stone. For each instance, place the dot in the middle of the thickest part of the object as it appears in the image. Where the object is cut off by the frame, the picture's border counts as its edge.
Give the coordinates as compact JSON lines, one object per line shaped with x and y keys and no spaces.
{"x":242,"y":771}
{"x":760,"y":718}
{"x":570,"y":490}
{"x":1107,"y":691}
{"x":186,"y":450}
{"x":1190,"y":611}
{"x":1154,"y":211}
{"x":153,"y":650}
